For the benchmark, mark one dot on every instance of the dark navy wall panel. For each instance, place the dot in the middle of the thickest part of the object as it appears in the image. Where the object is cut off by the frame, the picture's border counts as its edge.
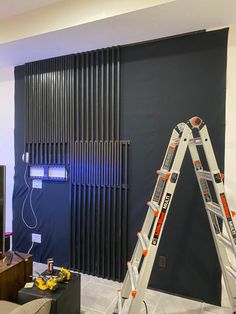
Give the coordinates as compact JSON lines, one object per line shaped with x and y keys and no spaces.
{"x":163,"y":83}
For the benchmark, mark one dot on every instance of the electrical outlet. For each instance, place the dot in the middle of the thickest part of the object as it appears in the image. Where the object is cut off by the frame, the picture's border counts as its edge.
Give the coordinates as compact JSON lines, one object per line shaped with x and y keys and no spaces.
{"x":162,"y":261}
{"x":36,"y":237}
{"x":37,"y":184}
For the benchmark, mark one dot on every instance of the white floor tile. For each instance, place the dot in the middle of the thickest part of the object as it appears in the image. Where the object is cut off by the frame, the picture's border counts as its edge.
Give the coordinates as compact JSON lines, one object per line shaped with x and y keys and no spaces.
{"x":98,"y":296}
{"x":85,"y":279}
{"x":211,"y":309}
{"x":170,"y":304}
{"x":110,"y":283}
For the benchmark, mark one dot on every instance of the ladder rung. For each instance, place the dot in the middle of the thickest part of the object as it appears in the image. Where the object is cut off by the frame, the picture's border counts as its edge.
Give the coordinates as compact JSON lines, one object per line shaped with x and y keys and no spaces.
{"x":214,"y":208}
{"x":154,"y":207}
{"x":204,"y":174}
{"x":163,"y":173}
{"x":119,"y":302}
{"x":225,"y":241}
{"x":231,"y":271}
{"x":144,"y":242}
{"x":136,"y":274}
{"x":197,"y":141}
{"x":132,"y":279}
{"x":175,"y":142}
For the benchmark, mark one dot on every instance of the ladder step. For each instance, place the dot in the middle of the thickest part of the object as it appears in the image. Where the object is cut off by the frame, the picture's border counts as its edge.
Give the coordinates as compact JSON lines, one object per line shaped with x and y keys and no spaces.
{"x":154,"y":207}
{"x":163,"y":173}
{"x":231,"y":271}
{"x":136,"y":274}
{"x":204,"y":174}
{"x":214,"y":208}
{"x":133,"y":276}
{"x":197,"y":141}
{"x":225,"y":241}
{"x":119,"y":302}
{"x":144,"y":242}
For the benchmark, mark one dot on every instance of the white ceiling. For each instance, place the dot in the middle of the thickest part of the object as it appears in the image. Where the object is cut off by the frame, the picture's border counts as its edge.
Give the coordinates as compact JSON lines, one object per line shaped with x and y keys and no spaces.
{"x":14,"y":7}
{"x":174,"y":18}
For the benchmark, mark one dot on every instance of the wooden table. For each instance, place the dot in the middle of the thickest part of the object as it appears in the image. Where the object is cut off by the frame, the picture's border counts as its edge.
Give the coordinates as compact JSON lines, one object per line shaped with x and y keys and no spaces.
{"x":14,"y":276}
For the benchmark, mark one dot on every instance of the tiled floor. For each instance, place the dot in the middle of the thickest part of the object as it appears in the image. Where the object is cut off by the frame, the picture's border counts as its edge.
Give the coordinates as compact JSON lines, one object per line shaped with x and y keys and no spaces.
{"x":98,"y":296}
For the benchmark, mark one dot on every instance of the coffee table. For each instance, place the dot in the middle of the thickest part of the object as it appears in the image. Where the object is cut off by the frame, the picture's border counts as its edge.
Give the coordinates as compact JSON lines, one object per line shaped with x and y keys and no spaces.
{"x":65,"y":300}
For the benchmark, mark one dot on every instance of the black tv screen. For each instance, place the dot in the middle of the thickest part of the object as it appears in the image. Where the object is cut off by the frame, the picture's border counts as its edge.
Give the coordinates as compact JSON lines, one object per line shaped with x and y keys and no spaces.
{"x":2,"y":209}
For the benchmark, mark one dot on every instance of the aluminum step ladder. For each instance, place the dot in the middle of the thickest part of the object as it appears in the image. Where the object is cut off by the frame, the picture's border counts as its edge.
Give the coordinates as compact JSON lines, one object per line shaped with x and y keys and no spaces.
{"x":140,"y":266}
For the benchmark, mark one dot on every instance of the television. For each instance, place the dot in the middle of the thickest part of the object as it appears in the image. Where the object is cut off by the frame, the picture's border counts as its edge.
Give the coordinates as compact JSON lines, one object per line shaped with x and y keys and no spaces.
{"x":2,"y":209}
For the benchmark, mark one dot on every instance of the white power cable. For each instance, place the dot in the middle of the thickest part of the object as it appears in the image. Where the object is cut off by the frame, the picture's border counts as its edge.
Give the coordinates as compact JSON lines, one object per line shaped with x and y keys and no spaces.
{"x":30,"y":191}
{"x":30,"y":248}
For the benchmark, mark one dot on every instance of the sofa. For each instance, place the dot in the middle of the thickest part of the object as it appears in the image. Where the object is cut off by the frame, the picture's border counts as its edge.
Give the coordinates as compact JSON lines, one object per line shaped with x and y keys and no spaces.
{"x":39,"y":306}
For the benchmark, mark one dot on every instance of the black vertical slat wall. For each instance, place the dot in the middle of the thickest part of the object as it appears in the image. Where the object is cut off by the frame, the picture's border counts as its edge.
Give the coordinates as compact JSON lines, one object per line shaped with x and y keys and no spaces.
{"x":99,"y":168}
{"x":73,"y":118}
{"x":49,"y":110}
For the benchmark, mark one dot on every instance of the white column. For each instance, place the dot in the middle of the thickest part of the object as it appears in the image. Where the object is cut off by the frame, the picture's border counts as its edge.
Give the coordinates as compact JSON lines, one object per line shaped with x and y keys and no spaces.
{"x":7,"y":135}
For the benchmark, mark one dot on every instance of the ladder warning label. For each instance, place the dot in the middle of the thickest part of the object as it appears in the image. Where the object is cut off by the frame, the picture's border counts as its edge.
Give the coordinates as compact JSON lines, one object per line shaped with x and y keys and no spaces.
{"x":169,"y":157}
{"x":159,"y":190}
{"x":161,"y":218}
{"x":225,"y":205}
{"x":228,"y":216}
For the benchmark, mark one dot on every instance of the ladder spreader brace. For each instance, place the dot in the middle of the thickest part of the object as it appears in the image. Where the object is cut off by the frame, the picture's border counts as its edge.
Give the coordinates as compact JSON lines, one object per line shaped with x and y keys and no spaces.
{"x":141,"y":263}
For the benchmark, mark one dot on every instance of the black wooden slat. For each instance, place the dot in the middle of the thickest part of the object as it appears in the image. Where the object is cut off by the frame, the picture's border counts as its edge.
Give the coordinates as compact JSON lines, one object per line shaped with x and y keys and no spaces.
{"x":73,"y":117}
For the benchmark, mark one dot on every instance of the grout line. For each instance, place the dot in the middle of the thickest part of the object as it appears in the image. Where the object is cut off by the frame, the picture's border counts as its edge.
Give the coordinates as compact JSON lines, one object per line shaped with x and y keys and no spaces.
{"x":84,"y":285}
{"x":107,"y":286}
{"x":107,"y":283}
{"x":91,"y":309}
{"x":203,"y":305}
{"x":109,"y":302}
{"x":158,"y":302}
{"x":112,"y":304}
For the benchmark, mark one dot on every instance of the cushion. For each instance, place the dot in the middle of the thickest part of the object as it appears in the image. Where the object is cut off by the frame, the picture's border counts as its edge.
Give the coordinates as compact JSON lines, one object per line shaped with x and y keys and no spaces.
{"x":38,"y":306}
{"x":6,"y":307}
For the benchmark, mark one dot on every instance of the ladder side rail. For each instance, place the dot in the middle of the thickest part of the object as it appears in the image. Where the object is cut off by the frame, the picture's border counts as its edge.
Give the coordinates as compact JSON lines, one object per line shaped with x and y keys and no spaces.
{"x":197,"y":165}
{"x":215,"y":229}
{"x":181,"y":150}
{"x":137,"y":254}
{"x":175,"y":137}
{"x":203,"y":184}
{"x":218,"y":186}
{"x":224,"y":263}
{"x":136,"y":258}
{"x":174,"y":141}
{"x":167,"y":163}
{"x":148,"y":262}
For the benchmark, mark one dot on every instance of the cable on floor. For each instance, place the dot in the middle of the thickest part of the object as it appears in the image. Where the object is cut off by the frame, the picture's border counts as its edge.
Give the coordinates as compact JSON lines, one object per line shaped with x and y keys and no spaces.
{"x":146,"y":308}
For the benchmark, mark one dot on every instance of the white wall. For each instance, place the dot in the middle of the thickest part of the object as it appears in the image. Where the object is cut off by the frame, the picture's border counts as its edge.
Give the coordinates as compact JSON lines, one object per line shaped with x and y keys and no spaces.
{"x":7,"y":135}
{"x":230,"y":135}
{"x":67,"y":13}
